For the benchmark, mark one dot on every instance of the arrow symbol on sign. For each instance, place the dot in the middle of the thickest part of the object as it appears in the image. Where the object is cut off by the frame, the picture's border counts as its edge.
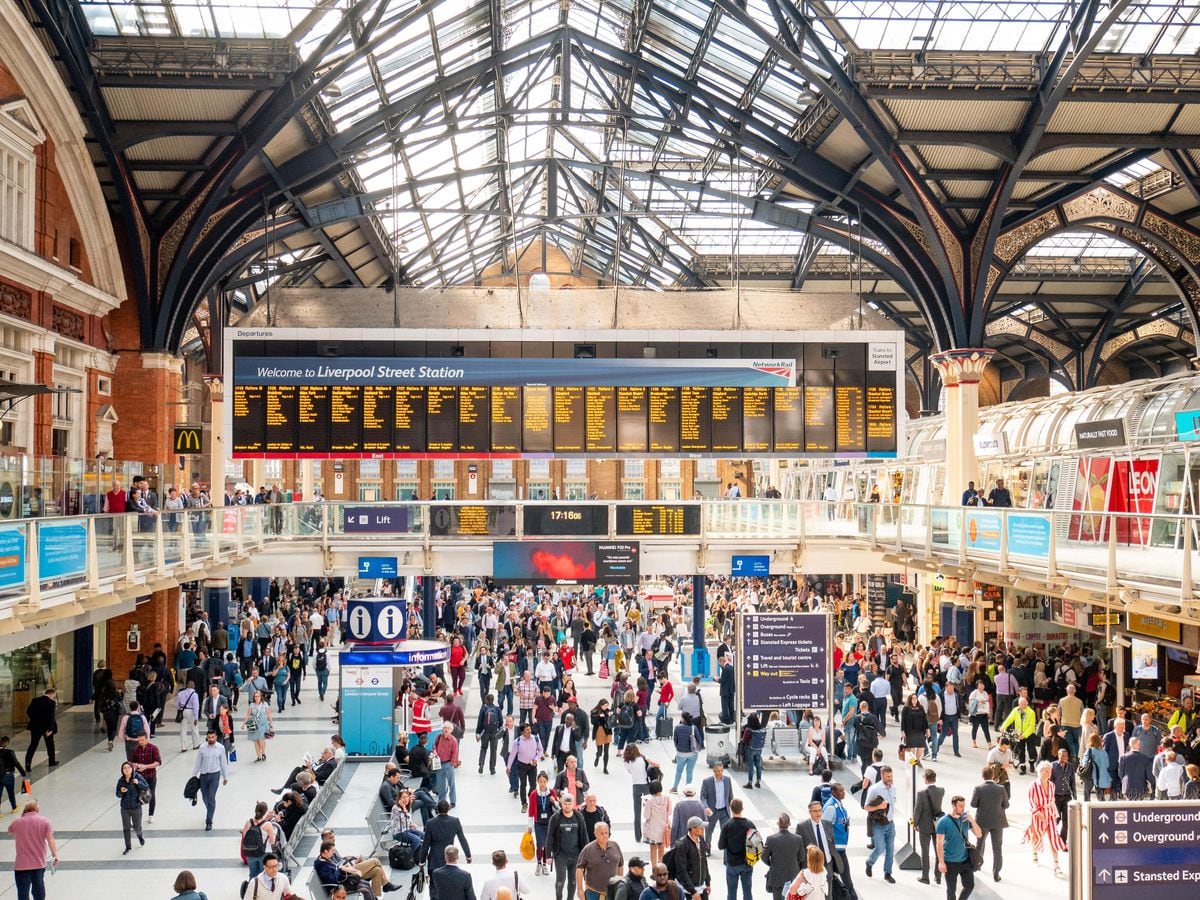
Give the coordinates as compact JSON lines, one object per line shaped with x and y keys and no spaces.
{"x":1103,"y":838}
{"x":1103,"y":875}
{"x":1103,"y":817}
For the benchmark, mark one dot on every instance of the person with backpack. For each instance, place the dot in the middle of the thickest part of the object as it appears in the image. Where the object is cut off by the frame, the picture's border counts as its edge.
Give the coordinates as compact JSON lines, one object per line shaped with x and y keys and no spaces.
{"x":133,"y":724}
{"x":131,"y":788}
{"x":686,"y":738}
{"x":487,"y":731}
{"x":321,"y":666}
{"x":735,"y":840}
{"x":258,"y":835}
{"x":866,"y":730}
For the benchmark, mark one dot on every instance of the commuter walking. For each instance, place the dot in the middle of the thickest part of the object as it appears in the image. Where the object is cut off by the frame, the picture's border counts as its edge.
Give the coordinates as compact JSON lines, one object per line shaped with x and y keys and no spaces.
{"x":990,"y":800}
{"x":953,"y":859}
{"x":32,"y":834}
{"x":212,"y":768}
{"x":258,"y":722}
{"x":926,"y":813}
{"x":187,"y":706}
{"x":43,"y":725}
{"x":716,"y":793}
{"x":8,"y":769}
{"x":881,"y":813}
{"x":131,"y":788}
{"x":146,"y":761}
{"x":733,"y":841}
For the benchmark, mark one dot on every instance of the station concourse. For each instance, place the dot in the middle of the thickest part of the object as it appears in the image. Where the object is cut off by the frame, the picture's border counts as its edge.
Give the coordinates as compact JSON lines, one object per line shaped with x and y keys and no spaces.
{"x":696,"y":308}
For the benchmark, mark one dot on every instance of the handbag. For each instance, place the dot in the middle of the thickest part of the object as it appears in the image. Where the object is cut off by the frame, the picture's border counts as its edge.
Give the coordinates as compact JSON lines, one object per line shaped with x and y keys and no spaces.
{"x":604,"y":667}
{"x":26,"y":787}
{"x":527,"y":846}
{"x":435,"y":762}
{"x":179,"y":714}
{"x":974,"y":857}
{"x":270,"y":734}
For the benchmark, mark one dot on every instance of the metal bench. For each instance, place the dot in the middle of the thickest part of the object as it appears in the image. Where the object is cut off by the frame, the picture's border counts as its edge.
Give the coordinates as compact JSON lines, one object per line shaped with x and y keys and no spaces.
{"x":315,"y":809}
{"x":318,"y":890}
{"x":786,"y":742}
{"x":377,"y":824}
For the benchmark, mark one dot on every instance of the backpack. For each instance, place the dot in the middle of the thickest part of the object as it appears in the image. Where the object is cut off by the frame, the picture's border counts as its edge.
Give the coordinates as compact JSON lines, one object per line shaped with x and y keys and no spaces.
{"x":862,"y":797}
{"x":491,"y":719}
{"x":627,"y":717}
{"x":322,"y":663}
{"x":754,"y":846}
{"x":253,"y":842}
{"x":671,"y":861}
{"x":868,"y":734}
{"x":135,"y":726}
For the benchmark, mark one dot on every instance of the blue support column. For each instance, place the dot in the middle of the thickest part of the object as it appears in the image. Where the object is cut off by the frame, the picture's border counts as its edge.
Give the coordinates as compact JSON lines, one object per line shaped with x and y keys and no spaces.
{"x":84,"y":663}
{"x":216,"y":603}
{"x":700,"y":660}
{"x":428,"y":607}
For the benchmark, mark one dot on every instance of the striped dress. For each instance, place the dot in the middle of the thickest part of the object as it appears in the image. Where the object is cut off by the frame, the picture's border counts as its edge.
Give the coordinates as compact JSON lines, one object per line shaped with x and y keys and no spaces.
{"x":1043,"y":826}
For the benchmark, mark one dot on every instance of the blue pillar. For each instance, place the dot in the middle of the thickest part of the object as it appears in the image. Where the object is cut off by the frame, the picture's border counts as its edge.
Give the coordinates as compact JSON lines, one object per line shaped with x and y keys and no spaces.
{"x":258,"y":589}
{"x":428,"y":607}
{"x":216,"y":604}
{"x":84,"y":663}
{"x":700,"y":661}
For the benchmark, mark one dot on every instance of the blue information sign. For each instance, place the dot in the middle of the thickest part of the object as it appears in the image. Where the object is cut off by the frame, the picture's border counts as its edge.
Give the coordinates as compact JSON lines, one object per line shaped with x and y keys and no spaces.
{"x":750,"y":566}
{"x":62,"y":550}
{"x":1028,"y":535}
{"x":12,"y":557}
{"x":983,"y":531}
{"x":376,"y":520}
{"x":377,"y":567}
{"x":376,"y":620}
{"x":367,"y":709}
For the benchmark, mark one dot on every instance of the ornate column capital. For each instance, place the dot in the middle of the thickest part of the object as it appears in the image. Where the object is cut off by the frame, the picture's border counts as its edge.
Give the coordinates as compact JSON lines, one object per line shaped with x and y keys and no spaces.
{"x":216,"y":387}
{"x":964,"y":366}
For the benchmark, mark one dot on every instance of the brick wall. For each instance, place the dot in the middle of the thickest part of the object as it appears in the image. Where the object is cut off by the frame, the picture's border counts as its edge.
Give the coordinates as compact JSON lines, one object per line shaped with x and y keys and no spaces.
{"x":604,"y":478}
{"x":158,"y":622}
{"x":145,"y":395}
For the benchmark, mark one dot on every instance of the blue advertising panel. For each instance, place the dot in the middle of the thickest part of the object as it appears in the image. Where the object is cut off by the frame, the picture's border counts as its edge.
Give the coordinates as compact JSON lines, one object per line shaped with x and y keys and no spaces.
{"x":62,"y":550}
{"x":1028,"y":535}
{"x":376,"y":620}
{"x":1187,"y":425}
{"x":375,"y":520}
{"x":983,"y":531}
{"x":367,"y":709}
{"x":784,"y":661}
{"x":378,"y":567}
{"x":12,"y":557}
{"x":750,"y":566}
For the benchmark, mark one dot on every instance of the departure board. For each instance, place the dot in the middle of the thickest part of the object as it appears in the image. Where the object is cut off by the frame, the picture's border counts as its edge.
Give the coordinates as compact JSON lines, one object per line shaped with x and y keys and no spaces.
{"x":474,"y":420}
{"x":537,"y":428}
{"x":570,"y":420}
{"x":600,"y":414}
{"x":472,"y":521}
{"x":565,"y":521}
{"x":819,"y":434}
{"x":788,"y":414}
{"x":662,"y":519}
{"x":664,"y":419}
{"x":506,"y":419}
{"x":829,"y":399}
{"x":726,"y":406}
{"x":631,"y":420}
{"x":756,"y":420}
{"x":283,"y":406}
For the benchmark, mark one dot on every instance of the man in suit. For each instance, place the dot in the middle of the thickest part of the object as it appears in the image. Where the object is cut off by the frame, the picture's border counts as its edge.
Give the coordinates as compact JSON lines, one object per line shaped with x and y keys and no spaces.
{"x":564,"y":740}
{"x":926,"y":812}
{"x":1116,"y":744}
{"x":728,"y":689}
{"x":1137,"y":779}
{"x":783,"y":852}
{"x":990,"y":800}
{"x":440,"y":832}
{"x":211,"y":708}
{"x":450,"y":882}
{"x":715,"y":793}
{"x":816,"y":833}
{"x":684,"y":809}
{"x":43,"y":725}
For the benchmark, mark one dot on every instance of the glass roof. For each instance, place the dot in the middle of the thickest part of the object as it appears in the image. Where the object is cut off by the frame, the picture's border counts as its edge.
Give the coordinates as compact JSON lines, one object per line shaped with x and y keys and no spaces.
{"x":197,"y":18}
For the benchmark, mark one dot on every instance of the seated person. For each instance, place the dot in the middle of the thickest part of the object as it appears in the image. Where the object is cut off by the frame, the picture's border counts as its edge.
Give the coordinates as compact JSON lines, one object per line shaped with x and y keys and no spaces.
{"x":306,"y":786}
{"x":343,"y":876}
{"x":289,"y":811}
{"x":320,"y":769}
{"x":368,"y":870}
{"x":401,"y":824}
{"x":390,"y":789}
{"x":401,"y":756}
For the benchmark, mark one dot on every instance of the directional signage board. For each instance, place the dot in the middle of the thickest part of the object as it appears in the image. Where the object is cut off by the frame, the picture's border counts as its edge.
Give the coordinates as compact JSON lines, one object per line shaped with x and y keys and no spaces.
{"x":1144,"y":851}
{"x":377,"y":567}
{"x":375,"y":520}
{"x":784,"y":661}
{"x":750,"y":566}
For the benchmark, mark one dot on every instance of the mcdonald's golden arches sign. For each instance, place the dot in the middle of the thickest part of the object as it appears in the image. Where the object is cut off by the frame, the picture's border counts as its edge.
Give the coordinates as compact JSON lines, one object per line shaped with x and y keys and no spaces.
{"x":189,"y":439}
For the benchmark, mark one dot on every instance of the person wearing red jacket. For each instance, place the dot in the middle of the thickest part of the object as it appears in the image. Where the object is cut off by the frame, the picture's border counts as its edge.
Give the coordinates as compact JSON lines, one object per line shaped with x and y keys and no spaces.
{"x":543,"y":803}
{"x":458,"y":666}
{"x":566,"y":656}
{"x":666,"y":693}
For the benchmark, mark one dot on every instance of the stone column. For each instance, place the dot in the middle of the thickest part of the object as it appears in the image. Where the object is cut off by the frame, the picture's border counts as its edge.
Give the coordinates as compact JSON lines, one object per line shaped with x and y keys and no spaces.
{"x":216,"y":438}
{"x":961,"y":371}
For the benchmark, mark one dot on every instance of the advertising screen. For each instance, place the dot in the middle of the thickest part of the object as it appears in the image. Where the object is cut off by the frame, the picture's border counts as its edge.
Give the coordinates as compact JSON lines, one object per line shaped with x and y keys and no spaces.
{"x":564,"y":562}
{"x":1144,"y":657}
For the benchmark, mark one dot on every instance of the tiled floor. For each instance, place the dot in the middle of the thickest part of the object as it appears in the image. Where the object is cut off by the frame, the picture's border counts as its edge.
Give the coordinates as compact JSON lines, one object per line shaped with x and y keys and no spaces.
{"x":79,"y":798}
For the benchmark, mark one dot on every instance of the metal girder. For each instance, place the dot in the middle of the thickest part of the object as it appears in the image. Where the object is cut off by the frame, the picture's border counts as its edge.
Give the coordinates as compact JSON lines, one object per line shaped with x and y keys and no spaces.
{"x":1187,"y":171}
{"x":318,"y":232}
{"x":128,"y":134}
{"x":300,"y":265}
{"x":810,"y":248}
{"x":1141,"y":274}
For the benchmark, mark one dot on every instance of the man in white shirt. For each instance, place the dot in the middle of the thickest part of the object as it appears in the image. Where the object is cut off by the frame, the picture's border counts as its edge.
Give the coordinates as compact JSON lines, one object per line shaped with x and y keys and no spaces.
{"x":271,"y":883}
{"x":506,"y":878}
{"x":1170,"y":779}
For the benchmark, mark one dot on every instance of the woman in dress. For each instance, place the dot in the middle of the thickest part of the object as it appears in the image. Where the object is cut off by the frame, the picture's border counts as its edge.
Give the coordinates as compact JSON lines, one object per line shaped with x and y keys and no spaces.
{"x":656,"y":821}
{"x":257,"y":721}
{"x":914,"y":725}
{"x":1043,"y":824}
{"x":812,"y":882}
{"x":979,"y":711}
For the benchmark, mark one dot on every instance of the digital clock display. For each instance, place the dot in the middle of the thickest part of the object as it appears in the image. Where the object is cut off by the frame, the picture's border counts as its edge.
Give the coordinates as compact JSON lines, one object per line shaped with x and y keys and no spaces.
{"x":565,"y":521}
